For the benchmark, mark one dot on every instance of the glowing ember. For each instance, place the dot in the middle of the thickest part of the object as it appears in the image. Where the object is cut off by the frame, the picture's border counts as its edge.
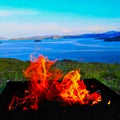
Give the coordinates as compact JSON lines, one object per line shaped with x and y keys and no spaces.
{"x":45,"y":84}
{"x":109,"y":102}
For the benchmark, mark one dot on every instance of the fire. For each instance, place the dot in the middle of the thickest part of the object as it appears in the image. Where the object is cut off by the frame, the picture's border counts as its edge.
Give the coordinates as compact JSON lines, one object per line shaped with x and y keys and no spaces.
{"x":45,"y":84}
{"x":73,"y":90}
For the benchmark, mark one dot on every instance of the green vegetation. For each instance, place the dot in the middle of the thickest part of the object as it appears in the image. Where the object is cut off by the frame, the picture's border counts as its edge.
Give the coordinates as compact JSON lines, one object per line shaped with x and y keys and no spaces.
{"x":108,"y":74}
{"x":11,"y":69}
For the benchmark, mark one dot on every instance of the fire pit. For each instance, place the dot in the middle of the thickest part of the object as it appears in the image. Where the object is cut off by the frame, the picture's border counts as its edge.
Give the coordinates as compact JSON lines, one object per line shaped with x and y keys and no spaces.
{"x":45,"y":96}
{"x":108,"y":108}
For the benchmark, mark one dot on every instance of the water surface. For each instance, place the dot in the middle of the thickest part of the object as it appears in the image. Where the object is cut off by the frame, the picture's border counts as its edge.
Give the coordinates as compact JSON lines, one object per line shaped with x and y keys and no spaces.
{"x":82,"y":49}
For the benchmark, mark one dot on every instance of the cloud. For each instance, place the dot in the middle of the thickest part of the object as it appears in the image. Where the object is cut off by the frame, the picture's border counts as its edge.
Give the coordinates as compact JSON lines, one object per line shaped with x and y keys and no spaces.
{"x":8,"y":13}
{"x":92,"y":26}
{"x":43,"y":23}
{"x":18,"y":29}
{"x":28,"y":29}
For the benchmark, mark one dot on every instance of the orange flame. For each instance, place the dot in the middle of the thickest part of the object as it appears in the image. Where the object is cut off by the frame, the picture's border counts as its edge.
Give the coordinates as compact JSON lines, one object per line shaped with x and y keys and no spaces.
{"x":44,"y":84}
{"x":73,"y":90}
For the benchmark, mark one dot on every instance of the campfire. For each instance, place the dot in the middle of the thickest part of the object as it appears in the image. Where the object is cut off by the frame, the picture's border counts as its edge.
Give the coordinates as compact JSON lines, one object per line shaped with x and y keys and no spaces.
{"x":47,"y":86}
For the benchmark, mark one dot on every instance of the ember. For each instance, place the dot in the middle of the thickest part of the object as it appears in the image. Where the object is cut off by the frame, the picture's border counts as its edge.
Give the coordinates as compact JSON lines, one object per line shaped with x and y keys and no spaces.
{"x":45,"y":85}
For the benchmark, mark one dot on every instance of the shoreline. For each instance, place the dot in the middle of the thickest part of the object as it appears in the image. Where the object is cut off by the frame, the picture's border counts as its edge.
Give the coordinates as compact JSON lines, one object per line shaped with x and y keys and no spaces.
{"x":64,"y":60}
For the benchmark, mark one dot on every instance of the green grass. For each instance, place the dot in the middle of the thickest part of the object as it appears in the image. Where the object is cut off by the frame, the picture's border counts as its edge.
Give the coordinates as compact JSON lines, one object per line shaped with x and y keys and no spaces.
{"x":11,"y":69}
{"x":108,"y":74}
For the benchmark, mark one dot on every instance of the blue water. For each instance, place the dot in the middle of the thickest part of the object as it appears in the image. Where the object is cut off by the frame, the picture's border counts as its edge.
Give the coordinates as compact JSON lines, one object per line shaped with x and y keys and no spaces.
{"x":82,"y":49}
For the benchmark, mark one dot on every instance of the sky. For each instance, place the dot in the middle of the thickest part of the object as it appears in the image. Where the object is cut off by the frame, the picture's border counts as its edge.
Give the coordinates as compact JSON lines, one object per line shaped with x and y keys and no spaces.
{"x":23,"y":18}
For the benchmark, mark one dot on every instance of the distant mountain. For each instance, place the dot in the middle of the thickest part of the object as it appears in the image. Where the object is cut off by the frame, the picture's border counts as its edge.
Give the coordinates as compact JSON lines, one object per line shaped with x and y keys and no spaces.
{"x":109,"y":34}
{"x":2,"y":38}
{"x":38,"y":37}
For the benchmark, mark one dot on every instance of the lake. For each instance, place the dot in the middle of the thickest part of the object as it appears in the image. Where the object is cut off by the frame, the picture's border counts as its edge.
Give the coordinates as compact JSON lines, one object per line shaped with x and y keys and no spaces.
{"x":80,"y":49}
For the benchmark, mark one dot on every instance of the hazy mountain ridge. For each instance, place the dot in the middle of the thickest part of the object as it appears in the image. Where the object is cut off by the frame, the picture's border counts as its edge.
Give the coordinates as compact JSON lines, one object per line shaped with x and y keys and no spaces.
{"x":2,"y":38}
{"x":105,"y":36}
{"x":38,"y":37}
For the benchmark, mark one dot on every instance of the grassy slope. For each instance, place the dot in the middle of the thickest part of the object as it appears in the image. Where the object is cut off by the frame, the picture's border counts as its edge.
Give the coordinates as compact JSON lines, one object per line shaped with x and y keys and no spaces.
{"x":109,"y":74}
{"x":11,"y":69}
